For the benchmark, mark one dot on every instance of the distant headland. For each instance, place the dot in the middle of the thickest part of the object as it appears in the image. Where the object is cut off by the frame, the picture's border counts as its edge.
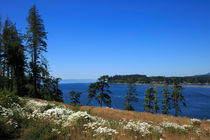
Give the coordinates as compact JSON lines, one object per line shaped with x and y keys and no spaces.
{"x":186,"y":81}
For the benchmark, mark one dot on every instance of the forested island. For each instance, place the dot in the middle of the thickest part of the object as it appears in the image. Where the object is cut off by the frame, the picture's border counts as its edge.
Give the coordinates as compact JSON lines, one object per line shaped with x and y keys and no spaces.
{"x":143,"y":79}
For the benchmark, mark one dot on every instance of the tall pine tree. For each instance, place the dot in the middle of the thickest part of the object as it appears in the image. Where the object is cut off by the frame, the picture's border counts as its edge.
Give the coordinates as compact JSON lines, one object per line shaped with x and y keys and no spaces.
{"x":13,"y":58}
{"x":36,"y":41}
{"x":16,"y":61}
{"x":1,"y":54}
{"x":166,"y":103}
{"x":177,"y":97}
{"x":150,"y":100}
{"x":100,"y":90}
{"x":131,"y":96}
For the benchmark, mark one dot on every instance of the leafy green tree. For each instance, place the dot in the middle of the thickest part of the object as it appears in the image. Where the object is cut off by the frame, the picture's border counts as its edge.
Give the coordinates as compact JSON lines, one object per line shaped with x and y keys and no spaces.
{"x":74,"y":97}
{"x":100,"y":90}
{"x":150,"y":100}
{"x":131,"y":96}
{"x":36,"y":37}
{"x":166,"y":99}
{"x":177,"y":97}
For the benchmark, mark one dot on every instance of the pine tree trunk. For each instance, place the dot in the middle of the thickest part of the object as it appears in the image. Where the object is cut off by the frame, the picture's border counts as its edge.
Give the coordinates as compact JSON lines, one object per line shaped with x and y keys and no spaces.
{"x":0,"y":73}
{"x":176,"y":106}
{"x":8,"y":81}
{"x":35,"y":72}
{"x":102,"y":90}
{"x":101,"y":99}
{"x":3,"y":76}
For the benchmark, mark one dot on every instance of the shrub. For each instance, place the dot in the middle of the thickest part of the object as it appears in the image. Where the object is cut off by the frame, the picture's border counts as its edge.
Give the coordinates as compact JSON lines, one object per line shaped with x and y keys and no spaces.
{"x":40,"y":130}
{"x":44,"y":108}
{"x":8,"y":98}
{"x":9,"y":128}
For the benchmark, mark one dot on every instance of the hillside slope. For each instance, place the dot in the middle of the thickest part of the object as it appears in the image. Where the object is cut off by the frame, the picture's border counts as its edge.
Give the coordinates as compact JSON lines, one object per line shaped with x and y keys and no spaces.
{"x":40,"y":119}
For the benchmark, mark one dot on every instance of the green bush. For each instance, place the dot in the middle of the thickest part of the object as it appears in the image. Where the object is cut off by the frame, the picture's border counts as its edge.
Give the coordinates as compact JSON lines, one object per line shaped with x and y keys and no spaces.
{"x":8,"y":130}
{"x":8,"y":98}
{"x":42,"y":130}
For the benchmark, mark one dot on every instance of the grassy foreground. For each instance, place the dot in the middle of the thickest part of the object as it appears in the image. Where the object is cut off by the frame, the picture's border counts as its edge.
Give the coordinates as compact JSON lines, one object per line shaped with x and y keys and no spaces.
{"x":35,"y":119}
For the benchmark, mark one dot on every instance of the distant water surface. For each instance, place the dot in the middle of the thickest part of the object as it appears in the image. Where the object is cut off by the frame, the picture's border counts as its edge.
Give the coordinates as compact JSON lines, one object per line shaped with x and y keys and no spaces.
{"x":197,"y":98}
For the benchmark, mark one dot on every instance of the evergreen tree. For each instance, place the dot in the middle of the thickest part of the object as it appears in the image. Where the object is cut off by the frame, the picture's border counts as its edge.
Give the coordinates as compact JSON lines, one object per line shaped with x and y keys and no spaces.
{"x":13,"y":58}
{"x":49,"y":89}
{"x":74,"y":97}
{"x":92,"y":90}
{"x":16,"y":60}
{"x":131,"y":96}
{"x":156,"y":107}
{"x":1,"y":54}
{"x":57,"y":92}
{"x":166,"y":99}
{"x":6,"y":40}
{"x":177,"y":97}
{"x":100,"y":90}
{"x":150,"y":100}
{"x":36,"y":37}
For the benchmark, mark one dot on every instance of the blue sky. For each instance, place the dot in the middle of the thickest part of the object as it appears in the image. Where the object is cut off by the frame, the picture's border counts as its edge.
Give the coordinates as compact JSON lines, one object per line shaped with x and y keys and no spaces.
{"x":90,"y":38}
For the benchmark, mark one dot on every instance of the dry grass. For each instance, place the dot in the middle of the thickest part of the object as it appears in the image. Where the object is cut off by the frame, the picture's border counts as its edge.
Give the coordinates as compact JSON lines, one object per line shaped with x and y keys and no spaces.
{"x":115,"y":114}
{"x":155,"y":119}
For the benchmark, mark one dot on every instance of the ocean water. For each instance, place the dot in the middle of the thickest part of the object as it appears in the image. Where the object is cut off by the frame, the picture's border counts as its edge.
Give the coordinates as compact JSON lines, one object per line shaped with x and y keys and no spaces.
{"x":197,"y":98}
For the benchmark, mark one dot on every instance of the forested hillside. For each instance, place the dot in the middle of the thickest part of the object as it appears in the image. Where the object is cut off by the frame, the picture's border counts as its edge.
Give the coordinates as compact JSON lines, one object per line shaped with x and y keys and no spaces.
{"x":143,"y":79}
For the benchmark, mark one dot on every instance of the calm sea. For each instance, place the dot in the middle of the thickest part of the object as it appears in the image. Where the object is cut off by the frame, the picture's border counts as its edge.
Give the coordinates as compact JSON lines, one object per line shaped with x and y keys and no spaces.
{"x":197,"y":98}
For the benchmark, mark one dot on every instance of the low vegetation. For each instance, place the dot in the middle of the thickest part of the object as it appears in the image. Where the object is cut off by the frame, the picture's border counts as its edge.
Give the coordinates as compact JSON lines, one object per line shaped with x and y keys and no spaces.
{"x":34,"y":119}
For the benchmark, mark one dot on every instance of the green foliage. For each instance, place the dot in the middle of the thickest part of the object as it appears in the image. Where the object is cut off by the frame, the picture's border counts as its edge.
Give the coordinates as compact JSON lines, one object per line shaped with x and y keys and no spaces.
{"x":49,"y":89}
{"x":143,"y":79}
{"x":155,"y":101}
{"x":10,"y":126}
{"x":7,"y":131}
{"x":74,"y":97}
{"x":175,"y":130}
{"x":12,"y":62}
{"x":36,"y":44}
{"x":131,"y":96}
{"x":26,"y":76}
{"x":7,"y":98}
{"x":177,"y":97}
{"x":42,"y":130}
{"x":151,"y":100}
{"x":100,"y":90}
{"x":166,"y":99}
{"x":44,"y":108}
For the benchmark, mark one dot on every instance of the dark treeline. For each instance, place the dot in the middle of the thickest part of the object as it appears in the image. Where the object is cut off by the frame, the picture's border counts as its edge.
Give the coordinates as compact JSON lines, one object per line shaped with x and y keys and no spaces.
{"x":23,"y":67}
{"x":143,"y":79}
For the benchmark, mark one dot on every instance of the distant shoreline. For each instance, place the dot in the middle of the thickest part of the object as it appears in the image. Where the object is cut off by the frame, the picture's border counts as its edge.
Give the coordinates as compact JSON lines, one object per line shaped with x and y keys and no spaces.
{"x":184,"y":85}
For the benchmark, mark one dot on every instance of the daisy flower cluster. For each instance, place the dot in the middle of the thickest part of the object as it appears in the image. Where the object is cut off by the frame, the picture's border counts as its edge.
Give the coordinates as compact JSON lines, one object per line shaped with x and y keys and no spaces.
{"x":143,"y":127}
{"x":66,"y":117}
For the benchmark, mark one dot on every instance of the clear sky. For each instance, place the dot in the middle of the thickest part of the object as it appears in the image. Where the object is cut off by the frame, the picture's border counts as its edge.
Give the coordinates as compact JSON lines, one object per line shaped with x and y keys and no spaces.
{"x":90,"y":38}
